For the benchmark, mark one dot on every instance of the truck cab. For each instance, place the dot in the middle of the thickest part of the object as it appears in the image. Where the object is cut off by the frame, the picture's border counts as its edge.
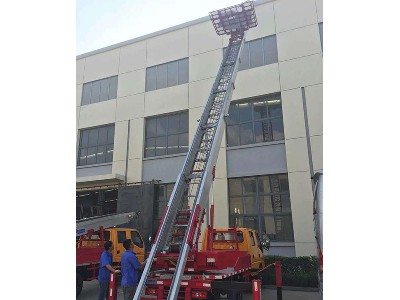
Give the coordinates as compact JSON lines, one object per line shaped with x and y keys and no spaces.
{"x":242,"y":239}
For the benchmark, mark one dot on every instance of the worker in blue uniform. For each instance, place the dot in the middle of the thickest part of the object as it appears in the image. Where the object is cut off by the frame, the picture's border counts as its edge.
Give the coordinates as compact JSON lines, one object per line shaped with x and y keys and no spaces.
{"x":105,"y":270}
{"x":130,"y":266}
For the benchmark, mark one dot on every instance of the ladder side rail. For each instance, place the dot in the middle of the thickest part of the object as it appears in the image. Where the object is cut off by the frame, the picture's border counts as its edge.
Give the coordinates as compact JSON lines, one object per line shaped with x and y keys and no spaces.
{"x":203,"y":191}
{"x":177,"y":193}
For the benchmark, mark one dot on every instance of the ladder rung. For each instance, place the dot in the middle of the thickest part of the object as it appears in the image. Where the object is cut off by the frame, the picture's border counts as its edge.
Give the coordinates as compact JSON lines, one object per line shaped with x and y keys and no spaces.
{"x":194,"y":176}
{"x":210,"y":125}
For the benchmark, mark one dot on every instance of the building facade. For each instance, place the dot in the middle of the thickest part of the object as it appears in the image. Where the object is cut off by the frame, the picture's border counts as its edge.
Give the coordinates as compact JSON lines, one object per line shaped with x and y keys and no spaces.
{"x":138,"y":102}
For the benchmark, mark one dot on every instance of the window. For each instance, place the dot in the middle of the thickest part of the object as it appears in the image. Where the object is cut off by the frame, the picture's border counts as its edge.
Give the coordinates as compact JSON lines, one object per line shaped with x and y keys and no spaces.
{"x":259,"y":52}
{"x":168,"y":74}
{"x":262,"y":203}
{"x":168,"y":134}
{"x":255,"y":121}
{"x":96,"y":203}
{"x":135,"y":239}
{"x":100,"y":90}
{"x":96,"y":145}
{"x":121,"y":236}
{"x":320,"y":27}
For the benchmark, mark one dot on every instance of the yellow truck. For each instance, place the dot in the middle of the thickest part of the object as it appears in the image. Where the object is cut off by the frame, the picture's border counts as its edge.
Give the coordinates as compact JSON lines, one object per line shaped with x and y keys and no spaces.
{"x":246,"y":239}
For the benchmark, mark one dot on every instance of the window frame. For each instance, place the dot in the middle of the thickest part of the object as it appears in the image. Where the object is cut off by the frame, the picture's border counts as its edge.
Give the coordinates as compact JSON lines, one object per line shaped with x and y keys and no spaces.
{"x":260,"y":214}
{"x":179,"y":73}
{"x":108,"y":145}
{"x":268,"y":119}
{"x":86,"y":99}
{"x":182,"y":146}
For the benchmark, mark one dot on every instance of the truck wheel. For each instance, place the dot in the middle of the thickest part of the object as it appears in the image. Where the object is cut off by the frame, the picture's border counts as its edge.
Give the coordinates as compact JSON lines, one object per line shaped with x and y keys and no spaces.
{"x":79,"y":284}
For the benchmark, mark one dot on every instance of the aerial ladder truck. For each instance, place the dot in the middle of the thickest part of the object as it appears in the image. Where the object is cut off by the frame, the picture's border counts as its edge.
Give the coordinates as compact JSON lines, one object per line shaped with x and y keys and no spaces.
{"x":175,"y":267}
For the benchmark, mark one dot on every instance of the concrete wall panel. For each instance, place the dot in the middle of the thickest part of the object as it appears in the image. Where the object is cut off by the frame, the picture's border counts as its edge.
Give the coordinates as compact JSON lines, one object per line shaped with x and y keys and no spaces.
{"x":101,"y":65}
{"x":120,"y":141}
{"x":131,"y":83}
{"x":199,"y":92}
{"x":136,"y":139}
{"x":80,"y":67}
{"x":133,"y":57}
{"x":314,"y":96}
{"x":166,"y":100}
{"x":204,"y":65}
{"x":96,"y":114}
{"x":293,"y":114}
{"x":130,"y":107}
{"x":203,"y":38}
{"x":291,"y":14}
{"x":297,"y":155}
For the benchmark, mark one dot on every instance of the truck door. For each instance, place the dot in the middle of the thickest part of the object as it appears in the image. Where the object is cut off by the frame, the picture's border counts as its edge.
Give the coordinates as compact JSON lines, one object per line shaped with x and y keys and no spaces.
{"x":138,"y":246}
{"x":118,"y":246}
{"x":255,"y":252}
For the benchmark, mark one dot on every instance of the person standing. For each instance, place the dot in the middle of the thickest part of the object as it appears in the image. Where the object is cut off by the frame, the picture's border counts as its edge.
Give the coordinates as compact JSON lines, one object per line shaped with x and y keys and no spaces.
{"x":130,"y":266}
{"x":105,"y":270}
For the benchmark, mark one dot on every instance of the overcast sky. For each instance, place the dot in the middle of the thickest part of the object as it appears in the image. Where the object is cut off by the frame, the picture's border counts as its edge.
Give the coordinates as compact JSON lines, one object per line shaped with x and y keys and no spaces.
{"x":101,"y":23}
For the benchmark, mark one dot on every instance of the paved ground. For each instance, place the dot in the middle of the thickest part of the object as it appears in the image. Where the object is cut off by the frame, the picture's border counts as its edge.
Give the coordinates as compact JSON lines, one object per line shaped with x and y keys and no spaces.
{"x":90,"y":290}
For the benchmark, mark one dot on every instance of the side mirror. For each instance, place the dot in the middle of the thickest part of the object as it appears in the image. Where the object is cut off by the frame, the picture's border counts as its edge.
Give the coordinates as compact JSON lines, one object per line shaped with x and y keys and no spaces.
{"x":266,"y":244}
{"x":150,"y":239}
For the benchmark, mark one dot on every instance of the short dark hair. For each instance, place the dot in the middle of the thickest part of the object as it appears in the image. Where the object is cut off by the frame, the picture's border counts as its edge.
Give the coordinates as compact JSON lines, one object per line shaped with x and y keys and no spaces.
{"x":107,"y":245}
{"x":127,"y":244}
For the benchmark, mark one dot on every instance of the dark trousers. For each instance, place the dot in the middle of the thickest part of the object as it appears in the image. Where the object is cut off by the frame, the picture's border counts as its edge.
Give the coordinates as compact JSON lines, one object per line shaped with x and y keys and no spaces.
{"x":103,"y":290}
{"x":129,"y":292}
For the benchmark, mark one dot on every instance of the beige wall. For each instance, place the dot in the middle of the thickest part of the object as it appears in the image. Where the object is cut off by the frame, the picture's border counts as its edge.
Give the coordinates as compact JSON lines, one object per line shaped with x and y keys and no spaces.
{"x":295,"y":23}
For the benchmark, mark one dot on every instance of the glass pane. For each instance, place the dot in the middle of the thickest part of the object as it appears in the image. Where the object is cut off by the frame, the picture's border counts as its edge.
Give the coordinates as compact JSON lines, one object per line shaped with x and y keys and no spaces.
{"x":161,"y":144}
{"x":250,"y":222}
{"x":277,"y":129}
{"x":183,"y":70}
{"x":263,"y":184}
{"x":82,"y":157}
{"x":170,"y":188}
{"x":266,"y":205}
{"x":150,"y":148}
{"x":283,"y":182}
{"x":268,"y":227}
{"x":233,"y":136}
{"x":236,"y":205}
{"x":173,"y":144}
{"x":110,"y":152}
{"x":161,"y":76}
{"x":249,"y":186}
{"x":276,"y":203}
{"x":136,"y":239}
{"x":274,"y":182}
{"x":286,"y":207}
{"x":102,"y":136}
{"x":151,"y":125}
{"x":104,"y":85}
{"x":256,"y":53}
{"x":233,"y":117}
{"x":183,"y":142}
{"x":91,"y":156}
{"x":285,"y":231}
{"x":245,"y":112}
{"x":110,"y":135}
{"x":270,"y":50}
{"x":275,"y":108}
{"x":262,"y":132}
{"x":172,"y":73}
{"x":236,"y":221}
{"x":250,"y":205}
{"x":121,"y":236}
{"x":260,"y":110}
{"x":184,"y":122}
{"x":86,"y":93}
{"x":244,"y":58}
{"x":173,"y":124}
{"x":161,"y":126}
{"x":235,"y":187}
{"x":101,"y":154}
{"x":246,"y":134}
{"x":113,"y":87}
{"x":84,"y":138}
{"x":93,"y":135}
{"x":150,"y":79}
{"x":95,"y":92}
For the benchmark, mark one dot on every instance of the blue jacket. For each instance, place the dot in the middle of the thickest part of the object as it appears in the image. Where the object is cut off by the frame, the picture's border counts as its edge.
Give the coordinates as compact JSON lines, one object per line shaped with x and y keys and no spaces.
{"x":105,"y":259}
{"x":129,"y":268}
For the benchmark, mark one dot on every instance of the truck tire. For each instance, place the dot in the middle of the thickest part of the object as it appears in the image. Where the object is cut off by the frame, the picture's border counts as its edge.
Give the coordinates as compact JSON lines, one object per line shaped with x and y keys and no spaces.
{"x":79,"y":284}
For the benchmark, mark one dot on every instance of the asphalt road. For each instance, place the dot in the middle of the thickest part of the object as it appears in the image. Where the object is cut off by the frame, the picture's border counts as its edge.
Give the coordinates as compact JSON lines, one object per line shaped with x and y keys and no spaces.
{"x":91,"y":288}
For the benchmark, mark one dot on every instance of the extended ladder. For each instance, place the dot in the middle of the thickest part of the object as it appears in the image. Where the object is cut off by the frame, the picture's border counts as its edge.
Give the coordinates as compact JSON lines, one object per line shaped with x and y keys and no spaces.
{"x":193,"y":183}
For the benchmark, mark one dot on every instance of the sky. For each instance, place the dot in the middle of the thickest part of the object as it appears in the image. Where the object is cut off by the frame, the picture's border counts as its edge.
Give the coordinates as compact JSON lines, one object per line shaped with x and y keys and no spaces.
{"x":101,"y":23}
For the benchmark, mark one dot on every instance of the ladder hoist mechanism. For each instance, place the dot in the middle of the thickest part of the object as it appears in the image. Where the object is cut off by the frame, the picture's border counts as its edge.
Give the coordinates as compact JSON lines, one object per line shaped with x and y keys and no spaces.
{"x":179,"y":228}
